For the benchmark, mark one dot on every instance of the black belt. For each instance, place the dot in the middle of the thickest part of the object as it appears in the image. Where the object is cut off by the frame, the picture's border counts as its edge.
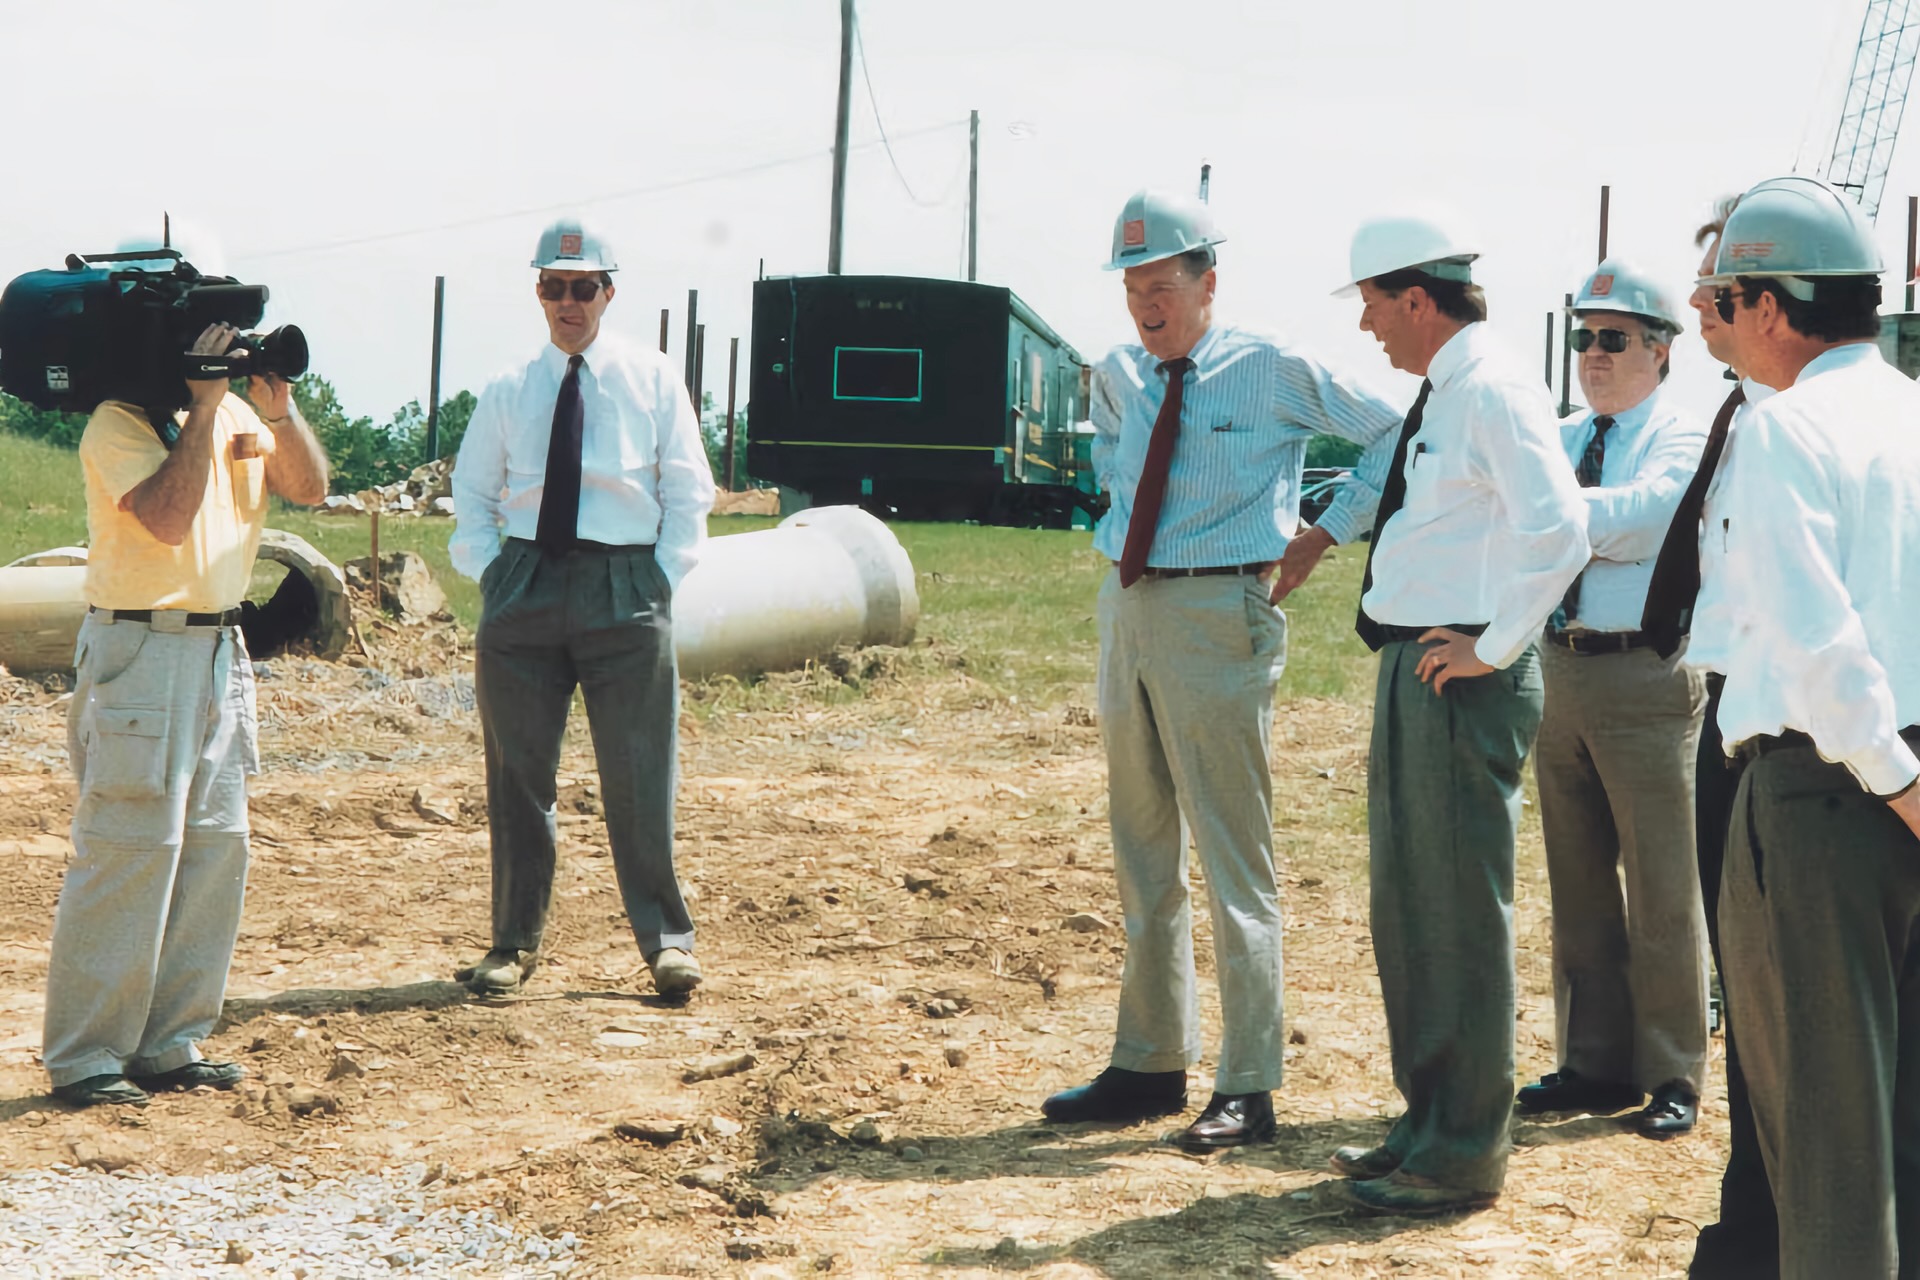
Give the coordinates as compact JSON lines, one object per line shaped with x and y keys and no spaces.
{"x":1390,"y":633}
{"x":583,"y":544}
{"x":225,"y":618}
{"x":1215,"y":571}
{"x":1763,"y":744}
{"x":1587,"y":643}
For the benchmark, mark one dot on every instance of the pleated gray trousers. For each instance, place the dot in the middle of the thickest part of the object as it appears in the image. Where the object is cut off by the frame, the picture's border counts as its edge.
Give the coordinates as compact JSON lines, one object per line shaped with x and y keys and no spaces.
{"x":1443,"y":807}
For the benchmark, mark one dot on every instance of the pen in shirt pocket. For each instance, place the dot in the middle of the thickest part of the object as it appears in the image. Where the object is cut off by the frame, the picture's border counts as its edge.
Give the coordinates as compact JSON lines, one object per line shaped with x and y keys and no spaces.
{"x":1418,"y":449}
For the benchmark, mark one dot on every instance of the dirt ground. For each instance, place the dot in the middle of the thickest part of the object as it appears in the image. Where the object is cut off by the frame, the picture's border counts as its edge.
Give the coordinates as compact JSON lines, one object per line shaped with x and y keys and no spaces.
{"x":883,"y":889}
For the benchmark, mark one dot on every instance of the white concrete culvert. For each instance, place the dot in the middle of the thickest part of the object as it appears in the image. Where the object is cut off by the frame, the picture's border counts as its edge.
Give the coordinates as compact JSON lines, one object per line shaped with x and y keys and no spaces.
{"x":64,"y":1221}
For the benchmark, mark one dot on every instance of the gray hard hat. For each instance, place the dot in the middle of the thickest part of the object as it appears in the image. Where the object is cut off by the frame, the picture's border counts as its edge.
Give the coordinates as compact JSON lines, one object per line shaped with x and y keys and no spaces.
{"x":1796,"y":226}
{"x":567,"y":246}
{"x":1621,"y":287}
{"x":1160,"y":224}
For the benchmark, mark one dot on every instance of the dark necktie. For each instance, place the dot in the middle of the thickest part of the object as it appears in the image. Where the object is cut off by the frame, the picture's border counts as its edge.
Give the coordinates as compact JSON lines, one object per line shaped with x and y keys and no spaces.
{"x":1588,"y":474}
{"x":1668,"y":615}
{"x":1391,"y":497}
{"x":559,"y":525}
{"x":1152,"y":489}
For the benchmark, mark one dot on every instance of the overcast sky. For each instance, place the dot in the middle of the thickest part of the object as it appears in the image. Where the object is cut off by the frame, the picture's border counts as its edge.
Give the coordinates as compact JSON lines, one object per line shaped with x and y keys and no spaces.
{"x":346,"y":152}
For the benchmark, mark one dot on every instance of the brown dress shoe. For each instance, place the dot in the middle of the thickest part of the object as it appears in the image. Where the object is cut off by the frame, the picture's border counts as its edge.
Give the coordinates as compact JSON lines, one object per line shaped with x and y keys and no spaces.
{"x":501,"y":970}
{"x":1363,"y":1163}
{"x":1408,"y":1195}
{"x":1231,"y":1120}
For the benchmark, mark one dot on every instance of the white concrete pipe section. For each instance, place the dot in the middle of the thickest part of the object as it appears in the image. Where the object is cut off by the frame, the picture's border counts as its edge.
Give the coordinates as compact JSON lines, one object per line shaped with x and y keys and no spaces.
{"x":779,"y":598}
{"x":41,"y":607}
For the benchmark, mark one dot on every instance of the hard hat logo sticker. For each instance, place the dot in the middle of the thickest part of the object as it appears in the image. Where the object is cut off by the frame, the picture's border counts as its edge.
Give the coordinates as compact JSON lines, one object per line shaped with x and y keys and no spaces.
{"x":1602,"y":286}
{"x":1752,"y":249}
{"x":570,"y":245}
{"x":1134,"y":232}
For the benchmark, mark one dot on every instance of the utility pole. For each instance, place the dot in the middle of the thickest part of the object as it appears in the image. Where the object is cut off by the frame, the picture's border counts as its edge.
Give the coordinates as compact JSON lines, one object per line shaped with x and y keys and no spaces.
{"x":973,"y":196}
{"x":837,"y":224}
{"x":433,"y":384}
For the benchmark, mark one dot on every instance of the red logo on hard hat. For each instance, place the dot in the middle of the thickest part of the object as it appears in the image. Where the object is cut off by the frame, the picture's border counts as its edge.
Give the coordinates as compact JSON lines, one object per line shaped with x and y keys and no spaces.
{"x":1752,"y":249}
{"x":1602,"y":286}
{"x":1134,"y":232}
{"x":570,"y":244}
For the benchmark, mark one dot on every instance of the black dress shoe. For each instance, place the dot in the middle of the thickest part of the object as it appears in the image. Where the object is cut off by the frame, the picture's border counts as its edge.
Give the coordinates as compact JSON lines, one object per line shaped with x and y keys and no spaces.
{"x":1119,"y":1096}
{"x":1568,"y":1090}
{"x":1231,"y":1120}
{"x":195,"y":1075}
{"x":101,"y":1091}
{"x":1671,"y":1112}
{"x":1363,"y":1163}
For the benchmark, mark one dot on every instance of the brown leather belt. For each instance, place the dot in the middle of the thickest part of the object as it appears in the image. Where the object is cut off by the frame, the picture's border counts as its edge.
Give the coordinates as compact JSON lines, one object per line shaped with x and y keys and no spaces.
{"x":1216,"y":571}
{"x":225,"y":618}
{"x":1588,"y":643}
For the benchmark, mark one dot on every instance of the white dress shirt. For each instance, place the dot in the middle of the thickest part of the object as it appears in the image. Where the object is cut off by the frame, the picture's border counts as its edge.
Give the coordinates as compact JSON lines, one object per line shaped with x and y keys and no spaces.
{"x":1652,"y":453}
{"x":1493,"y":529}
{"x":1820,"y":517}
{"x":644,"y":476}
{"x":1249,"y":406}
{"x":1711,"y":633}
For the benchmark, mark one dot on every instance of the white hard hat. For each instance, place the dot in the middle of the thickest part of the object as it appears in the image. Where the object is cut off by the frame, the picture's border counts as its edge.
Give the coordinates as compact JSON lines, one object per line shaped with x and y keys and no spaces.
{"x":191,"y":241}
{"x":1796,"y":226}
{"x":1619,"y":286}
{"x":1160,"y":224}
{"x":567,"y":246}
{"x":1430,"y":241}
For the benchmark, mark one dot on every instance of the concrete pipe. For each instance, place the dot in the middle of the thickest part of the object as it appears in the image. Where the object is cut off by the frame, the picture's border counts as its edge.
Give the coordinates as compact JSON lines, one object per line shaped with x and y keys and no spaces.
{"x":41,"y":607}
{"x":779,"y":598}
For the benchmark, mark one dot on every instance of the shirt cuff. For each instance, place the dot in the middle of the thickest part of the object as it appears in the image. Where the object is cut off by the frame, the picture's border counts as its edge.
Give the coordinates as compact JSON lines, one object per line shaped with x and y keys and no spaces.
{"x":1337,"y":523}
{"x":1499,"y":651}
{"x":1885,"y":770}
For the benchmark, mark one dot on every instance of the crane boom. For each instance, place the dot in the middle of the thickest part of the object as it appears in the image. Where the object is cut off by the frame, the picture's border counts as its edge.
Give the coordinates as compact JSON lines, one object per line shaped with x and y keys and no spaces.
{"x":1876,"y":100}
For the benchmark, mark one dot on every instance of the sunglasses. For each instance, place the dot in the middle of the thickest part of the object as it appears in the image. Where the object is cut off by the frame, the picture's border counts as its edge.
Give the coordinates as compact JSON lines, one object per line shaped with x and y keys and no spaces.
{"x":1723,"y":302}
{"x":1612,"y":341}
{"x":553,"y":288}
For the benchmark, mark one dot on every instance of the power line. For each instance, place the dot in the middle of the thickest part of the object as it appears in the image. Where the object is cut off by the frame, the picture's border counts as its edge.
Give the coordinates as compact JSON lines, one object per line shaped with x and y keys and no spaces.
{"x":628,"y":194}
{"x":874,"y":102}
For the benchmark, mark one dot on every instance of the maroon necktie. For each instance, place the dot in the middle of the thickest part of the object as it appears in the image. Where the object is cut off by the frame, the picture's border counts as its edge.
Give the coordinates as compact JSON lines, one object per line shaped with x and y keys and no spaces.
{"x":1675,"y":586}
{"x":1152,"y":489}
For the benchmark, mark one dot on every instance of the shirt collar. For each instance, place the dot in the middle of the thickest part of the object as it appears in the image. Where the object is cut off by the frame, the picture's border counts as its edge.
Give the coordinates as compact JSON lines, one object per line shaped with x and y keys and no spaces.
{"x":554,"y":360}
{"x":1628,"y":420}
{"x":1453,"y":355}
{"x":1845,"y":356}
{"x":1756,"y":391}
{"x":1203,"y":351}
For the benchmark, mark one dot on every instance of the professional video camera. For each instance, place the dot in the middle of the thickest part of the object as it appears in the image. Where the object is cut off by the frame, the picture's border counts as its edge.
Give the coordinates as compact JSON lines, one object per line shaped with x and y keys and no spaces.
{"x":120,"y":331}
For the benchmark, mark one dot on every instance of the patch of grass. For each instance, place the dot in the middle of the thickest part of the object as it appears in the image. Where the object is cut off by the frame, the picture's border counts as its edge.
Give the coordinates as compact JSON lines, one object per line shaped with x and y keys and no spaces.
{"x":1011,"y":608}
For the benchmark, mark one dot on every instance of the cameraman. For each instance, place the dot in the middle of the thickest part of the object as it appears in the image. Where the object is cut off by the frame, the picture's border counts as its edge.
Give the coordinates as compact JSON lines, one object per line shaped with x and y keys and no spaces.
{"x":161,"y":731}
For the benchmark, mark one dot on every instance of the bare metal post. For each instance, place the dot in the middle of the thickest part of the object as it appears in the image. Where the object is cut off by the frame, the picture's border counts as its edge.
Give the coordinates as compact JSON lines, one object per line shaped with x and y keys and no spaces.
{"x":693,"y":316}
{"x":973,"y":196}
{"x":733,"y":374}
{"x":1606,"y":199}
{"x":1566,"y":367}
{"x":837,"y":222}
{"x":1549,"y":350}
{"x":433,"y":383}
{"x":699,"y":372}
{"x":1206,"y":179}
{"x":664,"y":316}
{"x":1913,"y":231}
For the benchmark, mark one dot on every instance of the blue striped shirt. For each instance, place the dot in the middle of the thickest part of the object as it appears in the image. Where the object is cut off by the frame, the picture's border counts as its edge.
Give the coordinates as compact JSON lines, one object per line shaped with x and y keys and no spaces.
{"x":1250,"y":403}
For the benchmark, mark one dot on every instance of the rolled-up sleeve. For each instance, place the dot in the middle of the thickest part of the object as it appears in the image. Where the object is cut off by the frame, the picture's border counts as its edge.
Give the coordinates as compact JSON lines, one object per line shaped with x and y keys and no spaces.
{"x":479,"y":482}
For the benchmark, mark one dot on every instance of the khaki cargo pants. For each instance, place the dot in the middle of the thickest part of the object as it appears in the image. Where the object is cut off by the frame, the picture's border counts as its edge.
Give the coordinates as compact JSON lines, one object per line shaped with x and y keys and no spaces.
{"x":161,"y":733}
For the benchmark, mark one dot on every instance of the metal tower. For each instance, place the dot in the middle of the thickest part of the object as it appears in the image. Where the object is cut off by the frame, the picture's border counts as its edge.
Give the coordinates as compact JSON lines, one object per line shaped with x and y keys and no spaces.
{"x":1876,"y":100}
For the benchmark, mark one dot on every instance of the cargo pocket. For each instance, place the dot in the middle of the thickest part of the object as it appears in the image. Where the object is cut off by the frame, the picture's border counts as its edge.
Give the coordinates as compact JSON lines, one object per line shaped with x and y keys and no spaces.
{"x":126,"y":753}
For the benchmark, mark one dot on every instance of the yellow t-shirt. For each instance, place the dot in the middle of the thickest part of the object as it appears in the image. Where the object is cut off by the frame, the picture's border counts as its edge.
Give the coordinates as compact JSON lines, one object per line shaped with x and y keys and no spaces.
{"x":129,"y":568}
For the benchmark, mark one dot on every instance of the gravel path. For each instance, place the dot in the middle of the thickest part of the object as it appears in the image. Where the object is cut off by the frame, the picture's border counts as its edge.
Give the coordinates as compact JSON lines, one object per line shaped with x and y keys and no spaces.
{"x":64,"y":1223}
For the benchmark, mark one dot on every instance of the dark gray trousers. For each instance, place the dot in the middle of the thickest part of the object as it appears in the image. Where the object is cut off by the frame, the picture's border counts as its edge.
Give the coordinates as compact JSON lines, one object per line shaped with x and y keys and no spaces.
{"x":1443,"y":805}
{"x":1745,"y":1243}
{"x":1819,"y":913}
{"x":600,"y":621}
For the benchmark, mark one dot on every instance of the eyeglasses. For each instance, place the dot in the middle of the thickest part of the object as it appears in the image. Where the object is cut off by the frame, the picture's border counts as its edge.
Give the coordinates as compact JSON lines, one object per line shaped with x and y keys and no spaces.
{"x":1612,"y":341}
{"x":553,"y":288}
{"x":1723,"y":302}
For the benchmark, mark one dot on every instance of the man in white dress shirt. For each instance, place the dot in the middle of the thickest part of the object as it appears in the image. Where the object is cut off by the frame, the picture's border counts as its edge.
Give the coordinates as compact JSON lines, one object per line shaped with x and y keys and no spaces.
{"x":1202,"y":431}
{"x":1812,"y":606}
{"x":582,"y":491}
{"x":1615,"y":760}
{"x":1480,"y":531}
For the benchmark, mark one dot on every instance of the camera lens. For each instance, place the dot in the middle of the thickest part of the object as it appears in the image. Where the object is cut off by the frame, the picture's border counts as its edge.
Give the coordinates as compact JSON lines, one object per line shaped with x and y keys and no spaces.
{"x":284,"y":351}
